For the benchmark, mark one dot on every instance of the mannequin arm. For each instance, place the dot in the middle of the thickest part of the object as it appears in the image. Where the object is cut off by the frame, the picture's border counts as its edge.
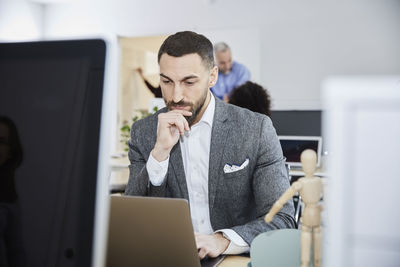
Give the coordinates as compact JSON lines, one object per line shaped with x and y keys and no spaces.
{"x":296,"y":186}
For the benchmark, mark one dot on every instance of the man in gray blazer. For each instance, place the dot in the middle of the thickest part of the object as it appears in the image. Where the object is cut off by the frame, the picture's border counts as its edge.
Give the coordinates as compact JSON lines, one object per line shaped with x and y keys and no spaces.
{"x":225,"y":160}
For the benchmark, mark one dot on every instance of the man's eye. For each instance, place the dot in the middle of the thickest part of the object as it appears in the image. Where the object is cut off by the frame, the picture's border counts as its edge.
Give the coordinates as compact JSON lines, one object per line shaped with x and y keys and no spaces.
{"x":166,"y":81}
{"x":189,"y":83}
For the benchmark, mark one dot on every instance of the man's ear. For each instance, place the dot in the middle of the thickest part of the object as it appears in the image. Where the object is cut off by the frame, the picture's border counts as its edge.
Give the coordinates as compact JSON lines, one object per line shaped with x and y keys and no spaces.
{"x":213,"y":76}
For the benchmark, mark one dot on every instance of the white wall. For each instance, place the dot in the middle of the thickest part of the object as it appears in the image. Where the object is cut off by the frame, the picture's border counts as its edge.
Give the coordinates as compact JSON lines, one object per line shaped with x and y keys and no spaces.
{"x":20,"y":20}
{"x":290,"y":46}
{"x":328,"y":38}
{"x":294,"y":45}
{"x":298,"y":43}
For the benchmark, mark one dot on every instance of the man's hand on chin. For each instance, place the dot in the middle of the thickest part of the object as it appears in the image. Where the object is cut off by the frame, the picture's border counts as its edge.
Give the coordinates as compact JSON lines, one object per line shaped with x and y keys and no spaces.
{"x":211,"y":245}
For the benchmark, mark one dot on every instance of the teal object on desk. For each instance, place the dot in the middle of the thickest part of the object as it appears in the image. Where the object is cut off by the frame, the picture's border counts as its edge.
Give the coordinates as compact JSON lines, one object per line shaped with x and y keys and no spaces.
{"x":276,"y":248}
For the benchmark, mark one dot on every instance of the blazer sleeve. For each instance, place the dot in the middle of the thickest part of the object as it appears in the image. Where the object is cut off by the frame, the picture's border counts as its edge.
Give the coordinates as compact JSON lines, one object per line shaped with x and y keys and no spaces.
{"x":139,"y":183}
{"x":269,"y":181}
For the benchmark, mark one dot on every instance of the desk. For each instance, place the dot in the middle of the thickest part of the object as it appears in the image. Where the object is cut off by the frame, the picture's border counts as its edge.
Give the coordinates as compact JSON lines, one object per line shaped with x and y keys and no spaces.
{"x":234,"y":261}
{"x":119,"y":163}
{"x":119,"y":173}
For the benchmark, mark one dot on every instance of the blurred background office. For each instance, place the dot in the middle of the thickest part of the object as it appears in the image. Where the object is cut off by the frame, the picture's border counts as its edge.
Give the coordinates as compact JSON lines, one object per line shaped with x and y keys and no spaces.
{"x":288,"y":46}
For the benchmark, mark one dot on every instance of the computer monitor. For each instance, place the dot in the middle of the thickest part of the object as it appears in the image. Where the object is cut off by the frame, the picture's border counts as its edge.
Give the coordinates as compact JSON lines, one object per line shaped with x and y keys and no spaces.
{"x":50,"y":114}
{"x":362,"y":128}
{"x":293,"y":146}
{"x":297,"y":122}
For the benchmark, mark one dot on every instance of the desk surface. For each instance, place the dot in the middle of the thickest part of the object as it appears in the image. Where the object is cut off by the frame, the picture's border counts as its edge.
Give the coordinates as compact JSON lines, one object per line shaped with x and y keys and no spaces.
{"x":119,"y":163}
{"x":235,"y":261}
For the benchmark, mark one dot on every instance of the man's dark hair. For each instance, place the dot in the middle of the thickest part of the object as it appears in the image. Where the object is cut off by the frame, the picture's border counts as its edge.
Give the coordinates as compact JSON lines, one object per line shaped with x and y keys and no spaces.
{"x":251,"y":96}
{"x":187,"y":42}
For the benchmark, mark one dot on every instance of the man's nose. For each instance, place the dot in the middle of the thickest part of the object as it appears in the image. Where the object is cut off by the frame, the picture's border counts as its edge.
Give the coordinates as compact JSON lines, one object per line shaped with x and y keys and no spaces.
{"x":178,"y":93}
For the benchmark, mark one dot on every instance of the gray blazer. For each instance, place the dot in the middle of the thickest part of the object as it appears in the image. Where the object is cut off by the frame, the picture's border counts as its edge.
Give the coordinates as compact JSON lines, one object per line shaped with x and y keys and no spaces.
{"x":237,"y":200}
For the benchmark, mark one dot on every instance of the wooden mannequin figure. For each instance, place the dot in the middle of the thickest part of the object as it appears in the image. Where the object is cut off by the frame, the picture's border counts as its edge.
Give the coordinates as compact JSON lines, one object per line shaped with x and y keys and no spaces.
{"x":310,"y":189}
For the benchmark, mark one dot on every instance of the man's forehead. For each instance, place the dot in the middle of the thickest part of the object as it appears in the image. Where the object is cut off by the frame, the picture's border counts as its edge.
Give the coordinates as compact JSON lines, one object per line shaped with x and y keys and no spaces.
{"x":188,"y":57}
{"x":189,"y":63}
{"x":224,"y":54}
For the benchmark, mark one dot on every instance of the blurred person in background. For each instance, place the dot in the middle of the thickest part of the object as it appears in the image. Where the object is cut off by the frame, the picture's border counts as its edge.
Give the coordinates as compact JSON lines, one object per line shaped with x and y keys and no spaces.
{"x":230,"y":73}
{"x":155,"y":90}
{"x":253,"y":97}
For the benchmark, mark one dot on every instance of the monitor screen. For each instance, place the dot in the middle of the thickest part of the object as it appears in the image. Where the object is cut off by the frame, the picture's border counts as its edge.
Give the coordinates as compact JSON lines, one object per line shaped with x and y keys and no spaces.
{"x":361,"y":222}
{"x":297,"y":122}
{"x":50,"y":111}
{"x":293,"y":146}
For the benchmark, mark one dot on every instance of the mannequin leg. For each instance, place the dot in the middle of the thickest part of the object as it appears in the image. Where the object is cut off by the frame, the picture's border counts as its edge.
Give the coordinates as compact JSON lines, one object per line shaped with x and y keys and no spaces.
{"x":317,"y":234}
{"x":305,"y":245}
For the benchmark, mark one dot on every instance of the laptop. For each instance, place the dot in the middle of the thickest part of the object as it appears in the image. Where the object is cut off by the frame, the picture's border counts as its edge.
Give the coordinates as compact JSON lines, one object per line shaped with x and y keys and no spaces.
{"x":293,"y":146}
{"x":146,"y":231}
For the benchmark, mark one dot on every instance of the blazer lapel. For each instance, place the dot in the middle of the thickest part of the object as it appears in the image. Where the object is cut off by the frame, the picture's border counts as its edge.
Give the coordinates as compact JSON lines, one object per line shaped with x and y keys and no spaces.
{"x":177,"y":166}
{"x":218,"y":141}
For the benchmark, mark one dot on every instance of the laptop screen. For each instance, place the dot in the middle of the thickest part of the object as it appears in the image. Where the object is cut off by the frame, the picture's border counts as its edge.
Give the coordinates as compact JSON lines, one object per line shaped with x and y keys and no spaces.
{"x":293,"y":146}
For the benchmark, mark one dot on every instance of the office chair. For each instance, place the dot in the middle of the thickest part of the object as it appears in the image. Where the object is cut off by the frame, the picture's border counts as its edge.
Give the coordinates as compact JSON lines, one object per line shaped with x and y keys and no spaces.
{"x":278,"y":248}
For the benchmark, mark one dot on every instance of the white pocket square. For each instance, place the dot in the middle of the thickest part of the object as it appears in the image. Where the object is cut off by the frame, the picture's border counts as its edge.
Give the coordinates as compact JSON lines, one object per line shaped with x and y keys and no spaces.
{"x":234,"y":168}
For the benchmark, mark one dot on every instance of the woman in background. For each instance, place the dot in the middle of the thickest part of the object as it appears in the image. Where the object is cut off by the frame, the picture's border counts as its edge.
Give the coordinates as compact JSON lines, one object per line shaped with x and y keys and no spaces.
{"x":251,"y":96}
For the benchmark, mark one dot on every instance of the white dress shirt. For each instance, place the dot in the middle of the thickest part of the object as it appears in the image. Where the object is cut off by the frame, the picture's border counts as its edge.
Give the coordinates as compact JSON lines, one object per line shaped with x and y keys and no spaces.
{"x":195,"y":148}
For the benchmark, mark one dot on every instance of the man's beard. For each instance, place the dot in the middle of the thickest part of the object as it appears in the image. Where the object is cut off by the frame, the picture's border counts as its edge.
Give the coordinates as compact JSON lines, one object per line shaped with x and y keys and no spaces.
{"x":227,"y":71}
{"x":194,"y":107}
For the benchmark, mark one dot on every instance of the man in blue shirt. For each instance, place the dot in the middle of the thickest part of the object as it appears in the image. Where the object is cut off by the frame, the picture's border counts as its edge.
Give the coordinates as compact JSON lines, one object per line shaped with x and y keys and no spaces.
{"x":231,"y":74}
